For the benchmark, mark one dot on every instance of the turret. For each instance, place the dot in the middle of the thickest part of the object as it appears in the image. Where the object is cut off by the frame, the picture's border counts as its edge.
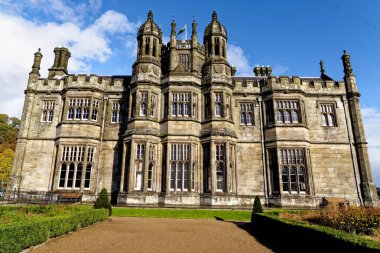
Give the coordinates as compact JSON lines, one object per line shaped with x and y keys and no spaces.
{"x":59,"y":68}
{"x":215,"y":39}
{"x":148,"y":62}
{"x":367,"y":186}
{"x":36,"y":63}
{"x":173,"y":61}
{"x":149,"y":37}
{"x":194,"y":47}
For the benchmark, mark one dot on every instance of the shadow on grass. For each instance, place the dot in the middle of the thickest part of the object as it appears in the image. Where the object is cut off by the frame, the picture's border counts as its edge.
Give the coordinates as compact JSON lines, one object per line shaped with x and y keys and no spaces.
{"x":280,"y":237}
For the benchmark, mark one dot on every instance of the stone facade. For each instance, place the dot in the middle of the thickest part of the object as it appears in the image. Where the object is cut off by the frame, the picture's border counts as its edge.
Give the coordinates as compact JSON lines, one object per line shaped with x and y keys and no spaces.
{"x":183,"y":130}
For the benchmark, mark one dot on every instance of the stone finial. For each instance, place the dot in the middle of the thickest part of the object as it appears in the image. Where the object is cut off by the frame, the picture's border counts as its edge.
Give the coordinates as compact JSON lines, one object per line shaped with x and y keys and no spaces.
{"x":214,"y":15}
{"x":322,"y":67}
{"x":269,"y":71}
{"x":173,"y":32}
{"x":150,"y":14}
{"x":346,"y":59}
{"x":256,"y":70}
{"x":194,"y":27}
{"x":37,"y":62}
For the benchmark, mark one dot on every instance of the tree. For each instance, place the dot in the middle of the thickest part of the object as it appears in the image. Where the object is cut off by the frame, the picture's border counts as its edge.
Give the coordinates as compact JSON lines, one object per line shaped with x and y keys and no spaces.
{"x":103,"y":201}
{"x":6,"y":159}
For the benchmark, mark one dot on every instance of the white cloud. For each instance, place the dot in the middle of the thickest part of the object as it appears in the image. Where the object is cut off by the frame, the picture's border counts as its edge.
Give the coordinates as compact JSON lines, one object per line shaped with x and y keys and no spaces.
{"x":278,"y":70}
{"x":371,"y":119}
{"x":237,"y":58}
{"x":24,"y":37}
{"x":61,"y":10}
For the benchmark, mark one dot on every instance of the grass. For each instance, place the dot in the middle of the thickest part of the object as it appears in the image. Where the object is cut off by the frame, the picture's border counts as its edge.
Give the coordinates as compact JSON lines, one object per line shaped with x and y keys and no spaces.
{"x":231,"y":215}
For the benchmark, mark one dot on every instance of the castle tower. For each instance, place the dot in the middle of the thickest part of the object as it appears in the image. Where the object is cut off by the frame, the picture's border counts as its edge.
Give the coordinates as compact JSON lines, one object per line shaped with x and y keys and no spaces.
{"x":140,"y":144}
{"x":147,"y":66}
{"x":367,"y":185}
{"x":219,"y":147}
{"x":61,"y":58}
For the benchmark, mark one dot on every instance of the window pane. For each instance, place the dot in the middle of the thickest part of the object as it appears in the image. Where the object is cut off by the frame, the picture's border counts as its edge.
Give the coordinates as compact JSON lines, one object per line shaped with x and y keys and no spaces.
{"x":78,"y":179}
{"x":179,"y":176}
{"x":172,"y":175}
{"x":70,"y":177}
{"x":62,"y":176}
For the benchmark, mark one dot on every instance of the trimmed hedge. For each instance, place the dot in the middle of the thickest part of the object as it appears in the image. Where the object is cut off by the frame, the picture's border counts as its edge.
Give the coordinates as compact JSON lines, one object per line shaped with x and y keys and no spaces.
{"x":273,"y":230}
{"x":17,"y":236}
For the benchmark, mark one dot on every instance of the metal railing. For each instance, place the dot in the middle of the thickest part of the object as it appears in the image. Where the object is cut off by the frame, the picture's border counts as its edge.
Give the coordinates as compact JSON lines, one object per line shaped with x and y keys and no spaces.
{"x":22,"y":197}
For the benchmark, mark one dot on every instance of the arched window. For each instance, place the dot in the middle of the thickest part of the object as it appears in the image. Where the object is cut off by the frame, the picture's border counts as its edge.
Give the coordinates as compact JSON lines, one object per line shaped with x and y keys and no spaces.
{"x":70,"y":114}
{"x":78,"y":178}
{"x":220,"y":176}
{"x":293,"y":179}
{"x":62,"y":176}
{"x":330,"y":118}
{"x":87,"y":178}
{"x":286,"y":117}
{"x":294,"y":116}
{"x":70,"y":176}
{"x":150,"y":176}
{"x":280,"y":118}
{"x":285,"y":179}
{"x":154,"y":47}
{"x":324,"y":119}
{"x":217,"y":46}
{"x":147,"y":42}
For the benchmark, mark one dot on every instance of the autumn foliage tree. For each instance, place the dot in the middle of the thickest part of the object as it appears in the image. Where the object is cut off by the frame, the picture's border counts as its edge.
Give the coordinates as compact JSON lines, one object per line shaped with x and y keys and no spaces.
{"x":8,"y":136}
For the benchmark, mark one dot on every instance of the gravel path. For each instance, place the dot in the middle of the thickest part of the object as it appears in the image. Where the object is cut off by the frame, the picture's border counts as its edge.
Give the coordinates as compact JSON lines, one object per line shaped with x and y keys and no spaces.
{"x":156,"y":235}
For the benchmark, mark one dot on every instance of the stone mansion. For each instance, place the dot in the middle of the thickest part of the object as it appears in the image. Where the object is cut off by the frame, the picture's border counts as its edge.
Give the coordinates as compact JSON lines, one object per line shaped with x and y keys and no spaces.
{"x":183,"y":130}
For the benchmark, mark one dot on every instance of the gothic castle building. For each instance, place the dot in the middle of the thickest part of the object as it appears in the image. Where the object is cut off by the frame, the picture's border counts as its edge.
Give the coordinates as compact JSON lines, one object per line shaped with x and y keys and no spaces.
{"x":183,"y":130}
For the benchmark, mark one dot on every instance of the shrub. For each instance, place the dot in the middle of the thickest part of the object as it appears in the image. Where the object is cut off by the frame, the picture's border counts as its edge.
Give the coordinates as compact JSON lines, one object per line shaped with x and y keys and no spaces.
{"x":257,"y":208}
{"x":103,"y":201}
{"x":324,"y":203}
{"x":19,"y":235}
{"x":355,"y":220}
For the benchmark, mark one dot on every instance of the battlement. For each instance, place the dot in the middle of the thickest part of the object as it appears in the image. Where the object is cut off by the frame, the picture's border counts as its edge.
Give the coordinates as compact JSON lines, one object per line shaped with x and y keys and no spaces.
{"x":308,"y":85}
{"x":92,"y":81}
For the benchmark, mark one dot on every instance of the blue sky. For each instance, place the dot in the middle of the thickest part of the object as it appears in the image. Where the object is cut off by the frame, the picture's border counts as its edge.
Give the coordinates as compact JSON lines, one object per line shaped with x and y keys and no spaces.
{"x":290,"y":36}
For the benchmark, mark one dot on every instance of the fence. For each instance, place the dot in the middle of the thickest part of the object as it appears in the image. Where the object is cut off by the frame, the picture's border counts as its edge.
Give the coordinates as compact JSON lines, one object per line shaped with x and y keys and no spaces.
{"x":17,"y":197}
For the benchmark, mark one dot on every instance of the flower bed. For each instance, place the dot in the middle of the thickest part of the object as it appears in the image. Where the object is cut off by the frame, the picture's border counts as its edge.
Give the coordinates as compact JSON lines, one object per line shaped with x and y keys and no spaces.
{"x":22,"y":227}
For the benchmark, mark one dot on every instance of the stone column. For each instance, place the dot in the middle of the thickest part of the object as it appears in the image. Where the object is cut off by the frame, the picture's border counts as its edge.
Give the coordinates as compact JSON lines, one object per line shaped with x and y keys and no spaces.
{"x":123,"y":161}
{"x":213,"y":167}
{"x":227,"y":168}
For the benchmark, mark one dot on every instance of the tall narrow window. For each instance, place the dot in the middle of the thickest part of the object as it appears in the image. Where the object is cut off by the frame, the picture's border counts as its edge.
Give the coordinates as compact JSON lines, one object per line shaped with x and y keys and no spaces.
{"x":328,"y":115}
{"x":118,"y":112}
{"x":179,"y":167}
{"x":133,"y":105}
{"x":218,"y":104}
{"x":153,"y":102}
{"x":143,"y":103}
{"x":152,"y":155}
{"x":195,"y":98}
{"x":95,"y":109}
{"x":155,"y":47}
{"x":293,"y":171}
{"x":147,"y":45}
{"x":166,"y":104}
{"x":207,"y":108}
{"x":246,"y":112}
{"x":48,"y":111}
{"x":220,"y":168}
{"x":269,"y":112}
{"x":217,"y":46}
{"x":139,"y":165}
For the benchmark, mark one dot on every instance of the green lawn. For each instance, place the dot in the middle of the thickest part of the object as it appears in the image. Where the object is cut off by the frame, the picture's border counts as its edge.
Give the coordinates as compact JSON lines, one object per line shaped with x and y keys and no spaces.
{"x":233,"y":215}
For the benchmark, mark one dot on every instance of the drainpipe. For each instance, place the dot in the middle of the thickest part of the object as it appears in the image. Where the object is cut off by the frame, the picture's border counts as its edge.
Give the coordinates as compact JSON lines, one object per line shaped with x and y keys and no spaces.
{"x":260,"y":99}
{"x":344,"y":99}
{"x":105,"y":98}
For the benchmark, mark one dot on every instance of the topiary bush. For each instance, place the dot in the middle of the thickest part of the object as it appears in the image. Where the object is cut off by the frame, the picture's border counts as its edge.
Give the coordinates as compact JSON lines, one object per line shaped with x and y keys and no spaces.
{"x":103,"y":201}
{"x":257,"y":208}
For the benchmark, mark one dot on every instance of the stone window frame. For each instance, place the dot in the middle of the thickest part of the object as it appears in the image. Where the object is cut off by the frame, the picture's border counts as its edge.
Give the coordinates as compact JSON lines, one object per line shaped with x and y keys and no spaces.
{"x":48,"y":108}
{"x":78,"y":106}
{"x":80,"y":158}
{"x":285,"y":109}
{"x":218,"y":103}
{"x":220,"y":169}
{"x":180,"y":104}
{"x":151,"y":166}
{"x":180,"y":156}
{"x":118,"y":111}
{"x":326,"y":109}
{"x":296,"y":163}
{"x":143,"y":103}
{"x":153,"y":104}
{"x":252,"y":111}
{"x":139,"y":165}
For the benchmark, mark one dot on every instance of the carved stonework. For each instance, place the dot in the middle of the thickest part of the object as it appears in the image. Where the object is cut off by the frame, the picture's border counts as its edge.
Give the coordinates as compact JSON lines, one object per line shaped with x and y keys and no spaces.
{"x":221,"y":131}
